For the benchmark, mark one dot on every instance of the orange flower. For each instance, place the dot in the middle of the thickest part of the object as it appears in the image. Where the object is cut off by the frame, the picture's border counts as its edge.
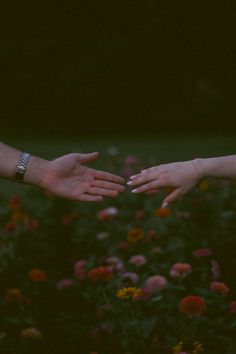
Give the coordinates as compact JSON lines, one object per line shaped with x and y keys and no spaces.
{"x":162,"y":212}
{"x":135,"y":235}
{"x":37,"y":275}
{"x":17,"y":216}
{"x":192,"y":305}
{"x":31,"y":333}
{"x":100,"y":273}
{"x":13,"y":295}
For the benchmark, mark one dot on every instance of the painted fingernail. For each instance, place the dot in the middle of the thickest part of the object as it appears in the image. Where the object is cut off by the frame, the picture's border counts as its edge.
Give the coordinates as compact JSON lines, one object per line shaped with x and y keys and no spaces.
{"x":165,"y":205}
{"x":134,"y":191}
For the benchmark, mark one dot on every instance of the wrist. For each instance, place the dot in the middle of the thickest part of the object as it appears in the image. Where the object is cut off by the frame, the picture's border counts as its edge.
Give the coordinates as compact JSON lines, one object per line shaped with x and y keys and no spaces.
{"x":35,"y":171}
{"x":199,"y":167}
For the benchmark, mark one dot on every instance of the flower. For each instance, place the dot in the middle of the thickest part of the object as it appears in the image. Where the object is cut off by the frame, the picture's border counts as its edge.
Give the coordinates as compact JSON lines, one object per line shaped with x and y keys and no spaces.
{"x":130,"y":277}
{"x":202,"y":252}
{"x":131,"y":160}
{"x":219,"y":287}
{"x":135,"y":235}
{"x":13,"y":295}
{"x":37,"y":275}
{"x":115,"y":264}
{"x":179,"y":270}
{"x":192,"y":305}
{"x":232,"y":307}
{"x":64,"y":283}
{"x":155,"y":283}
{"x":15,"y":202}
{"x":138,"y":260}
{"x":100,"y":273}
{"x":162,"y":212}
{"x":215,"y":269}
{"x":31,"y":333}
{"x":107,"y":214}
{"x":129,"y":293}
{"x":79,"y":269}
{"x":156,"y":250}
{"x":193,"y":348}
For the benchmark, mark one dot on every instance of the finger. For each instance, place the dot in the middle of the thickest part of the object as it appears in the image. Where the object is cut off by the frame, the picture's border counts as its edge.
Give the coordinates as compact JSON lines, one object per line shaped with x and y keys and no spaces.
{"x":102,"y":192}
{"x":147,"y":171}
{"x":86,"y":158}
{"x":109,"y":185}
{"x":152,"y":192}
{"x":148,"y":186}
{"x":143,"y":178}
{"x":90,"y":198}
{"x":172,"y":197}
{"x":109,"y":177}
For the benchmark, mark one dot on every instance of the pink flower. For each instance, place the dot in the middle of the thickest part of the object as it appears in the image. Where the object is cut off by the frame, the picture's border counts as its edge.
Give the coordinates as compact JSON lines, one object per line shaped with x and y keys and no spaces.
{"x":64,"y":283}
{"x":130,"y":277}
{"x":202,"y":252}
{"x":215,"y":269}
{"x":180,"y":270}
{"x":131,"y":160}
{"x":115,"y":264}
{"x":138,"y":260}
{"x":123,"y":246}
{"x":155,"y":283}
{"x":79,"y":269}
{"x":232,"y":307}
{"x":107,"y":214}
{"x":219,"y":287}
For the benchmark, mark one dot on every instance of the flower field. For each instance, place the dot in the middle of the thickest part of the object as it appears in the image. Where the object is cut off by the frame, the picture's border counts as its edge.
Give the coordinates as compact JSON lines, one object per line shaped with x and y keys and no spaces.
{"x":120,"y":277}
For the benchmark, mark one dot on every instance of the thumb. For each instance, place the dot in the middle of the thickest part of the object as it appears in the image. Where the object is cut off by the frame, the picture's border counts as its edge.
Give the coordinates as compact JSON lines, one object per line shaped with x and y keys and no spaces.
{"x":171,"y":197}
{"x":86,"y":158}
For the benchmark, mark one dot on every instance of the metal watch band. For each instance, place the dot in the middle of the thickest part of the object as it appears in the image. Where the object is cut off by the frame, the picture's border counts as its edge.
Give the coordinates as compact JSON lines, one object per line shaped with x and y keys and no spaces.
{"x":21,"y":167}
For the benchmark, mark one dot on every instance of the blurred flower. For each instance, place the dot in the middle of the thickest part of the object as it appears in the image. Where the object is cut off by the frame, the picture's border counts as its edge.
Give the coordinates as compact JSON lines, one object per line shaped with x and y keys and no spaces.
{"x":31,"y":333}
{"x":79,"y":269}
{"x":155,"y":283}
{"x":232,"y":307}
{"x":152,"y":234}
{"x":123,"y":246}
{"x":130,"y":277}
{"x":17,"y":216}
{"x":65,"y":283}
{"x":14,"y":295}
{"x":115,"y":264}
{"x":131,"y":160}
{"x":139,"y":214}
{"x":156,"y":250}
{"x":202,"y":252}
{"x":10,"y":226}
{"x":15,"y":202}
{"x":102,"y":236}
{"x":135,"y":235}
{"x":162,"y":212}
{"x":215,"y":269}
{"x":107,"y":214}
{"x":204,"y":186}
{"x":219,"y":287}
{"x":129,"y":293}
{"x":193,"y":348}
{"x":37,"y":275}
{"x":138,"y":260}
{"x":180,"y":270}
{"x":192,"y":305}
{"x":100,"y":273}
{"x":69,"y":218}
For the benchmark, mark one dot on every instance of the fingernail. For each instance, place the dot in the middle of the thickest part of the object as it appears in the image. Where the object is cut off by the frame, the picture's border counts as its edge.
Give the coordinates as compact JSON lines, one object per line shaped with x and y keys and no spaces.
{"x":134,"y":191}
{"x":129,"y":183}
{"x":132,"y":177}
{"x":165,"y":205}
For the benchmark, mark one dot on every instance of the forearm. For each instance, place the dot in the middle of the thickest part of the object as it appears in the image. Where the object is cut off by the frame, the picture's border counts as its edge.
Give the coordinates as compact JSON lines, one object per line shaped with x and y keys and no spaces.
{"x":219,"y":167}
{"x":9,"y":158}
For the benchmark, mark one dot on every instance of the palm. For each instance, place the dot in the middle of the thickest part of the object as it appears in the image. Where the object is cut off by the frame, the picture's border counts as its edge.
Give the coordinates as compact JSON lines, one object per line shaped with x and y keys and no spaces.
{"x":67,"y":177}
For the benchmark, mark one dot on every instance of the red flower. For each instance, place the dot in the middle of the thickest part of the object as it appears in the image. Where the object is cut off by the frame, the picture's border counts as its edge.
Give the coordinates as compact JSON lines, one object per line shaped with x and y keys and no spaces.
{"x":37,"y":275}
{"x":192,"y":305}
{"x":100,"y":273}
{"x":219,"y":287}
{"x":232,"y":307}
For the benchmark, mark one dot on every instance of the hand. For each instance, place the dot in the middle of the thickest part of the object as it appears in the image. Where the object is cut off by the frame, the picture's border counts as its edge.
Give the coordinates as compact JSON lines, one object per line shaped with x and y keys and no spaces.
{"x":68,"y":177}
{"x":182,"y":176}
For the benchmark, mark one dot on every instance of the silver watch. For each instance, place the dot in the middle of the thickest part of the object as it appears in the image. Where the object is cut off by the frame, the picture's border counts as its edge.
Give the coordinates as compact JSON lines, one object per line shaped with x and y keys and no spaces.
{"x":21,"y":166}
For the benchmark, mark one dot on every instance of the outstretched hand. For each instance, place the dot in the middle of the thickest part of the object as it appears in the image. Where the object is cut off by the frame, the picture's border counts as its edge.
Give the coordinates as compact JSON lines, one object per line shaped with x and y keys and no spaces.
{"x":182,"y":176}
{"x":69,"y":177}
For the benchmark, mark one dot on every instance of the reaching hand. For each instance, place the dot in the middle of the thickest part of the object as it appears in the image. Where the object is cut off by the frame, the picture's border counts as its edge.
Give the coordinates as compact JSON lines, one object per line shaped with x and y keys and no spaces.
{"x":182,"y":176}
{"x":68,"y":177}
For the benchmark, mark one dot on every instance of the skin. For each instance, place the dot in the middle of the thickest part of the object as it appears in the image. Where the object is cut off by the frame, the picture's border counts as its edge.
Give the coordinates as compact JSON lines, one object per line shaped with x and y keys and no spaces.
{"x":182,"y":176}
{"x":67,"y":176}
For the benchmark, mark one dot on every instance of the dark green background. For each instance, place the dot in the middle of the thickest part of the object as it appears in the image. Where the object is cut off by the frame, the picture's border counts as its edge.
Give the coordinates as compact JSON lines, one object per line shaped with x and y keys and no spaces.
{"x":127,"y":66}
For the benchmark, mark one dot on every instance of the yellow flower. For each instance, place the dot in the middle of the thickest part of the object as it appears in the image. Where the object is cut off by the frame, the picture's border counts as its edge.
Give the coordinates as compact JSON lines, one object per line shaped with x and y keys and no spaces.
{"x":129,"y":293}
{"x":135,"y":235}
{"x":178,"y":348}
{"x":197,"y":348}
{"x":184,"y":346}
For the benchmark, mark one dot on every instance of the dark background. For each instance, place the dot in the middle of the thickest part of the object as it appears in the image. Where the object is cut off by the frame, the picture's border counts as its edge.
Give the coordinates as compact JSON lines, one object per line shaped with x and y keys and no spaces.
{"x":117,"y":67}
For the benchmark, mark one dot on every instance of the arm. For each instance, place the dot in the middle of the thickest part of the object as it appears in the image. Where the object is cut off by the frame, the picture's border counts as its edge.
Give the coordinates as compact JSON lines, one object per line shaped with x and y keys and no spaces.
{"x":67,"y":176}
{"x":183,"y":176}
